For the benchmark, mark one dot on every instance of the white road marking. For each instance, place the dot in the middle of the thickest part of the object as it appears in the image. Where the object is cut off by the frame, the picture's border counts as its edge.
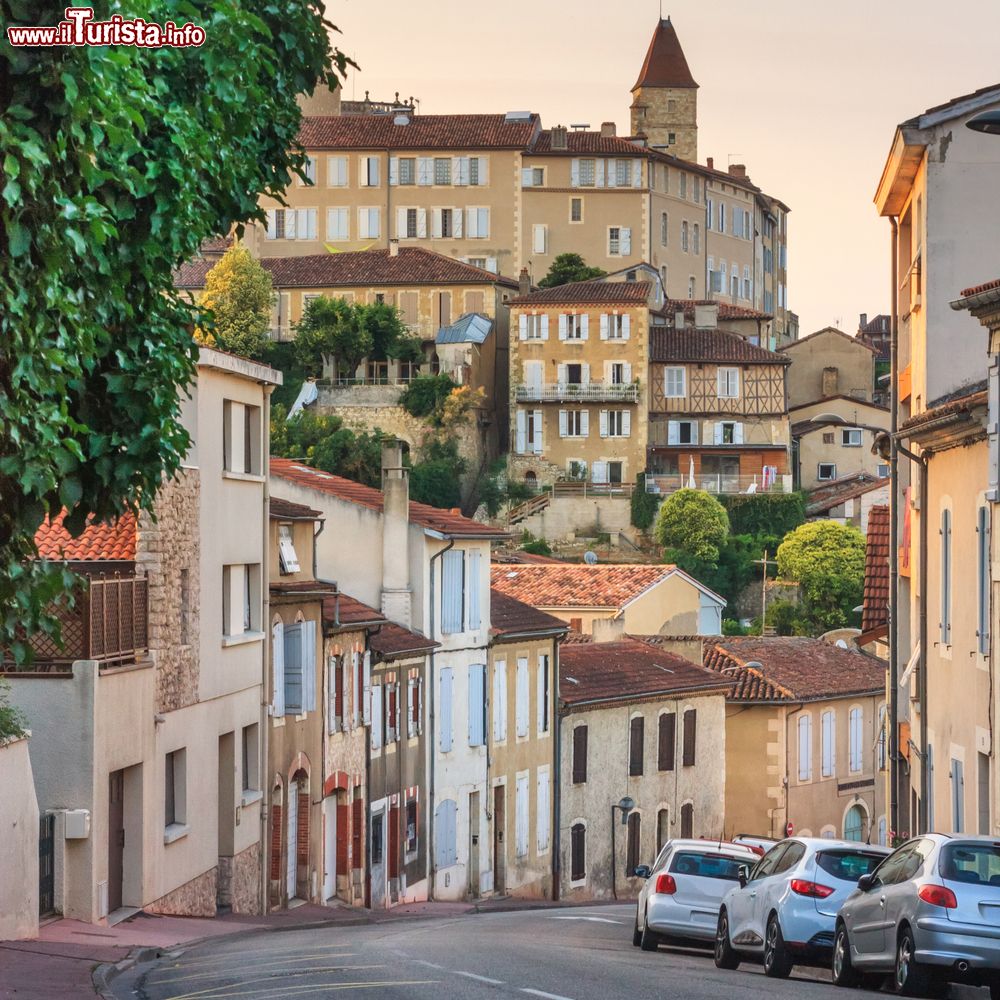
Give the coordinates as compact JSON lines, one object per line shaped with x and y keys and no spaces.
{"x":482,"y":979}
{"x":431,"y":965}
{"x":547,"y":996}
{"x":596,"y":920}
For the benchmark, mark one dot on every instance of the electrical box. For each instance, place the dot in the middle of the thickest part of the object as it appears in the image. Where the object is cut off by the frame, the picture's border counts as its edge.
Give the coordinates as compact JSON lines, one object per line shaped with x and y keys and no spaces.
{"x":77,"y":824}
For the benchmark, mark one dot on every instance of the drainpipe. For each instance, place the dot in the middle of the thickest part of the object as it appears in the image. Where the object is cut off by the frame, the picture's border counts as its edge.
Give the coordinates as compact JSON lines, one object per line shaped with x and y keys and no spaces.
{"x":556,"y":782}
{"x":264,"y":729}
{"x":431,"y":867}
{"x":894,"y":492}
{"x":925,"y":783}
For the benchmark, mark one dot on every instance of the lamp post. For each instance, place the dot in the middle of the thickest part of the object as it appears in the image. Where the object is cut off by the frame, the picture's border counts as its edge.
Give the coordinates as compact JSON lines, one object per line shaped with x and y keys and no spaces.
{"x":626,"y":805}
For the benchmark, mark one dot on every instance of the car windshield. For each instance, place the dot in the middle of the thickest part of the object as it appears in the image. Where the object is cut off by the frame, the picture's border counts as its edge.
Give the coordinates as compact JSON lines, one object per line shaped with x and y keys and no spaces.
{"x":848,"y":866}
{"x":707,"y":865}
{"x":976,"y":864}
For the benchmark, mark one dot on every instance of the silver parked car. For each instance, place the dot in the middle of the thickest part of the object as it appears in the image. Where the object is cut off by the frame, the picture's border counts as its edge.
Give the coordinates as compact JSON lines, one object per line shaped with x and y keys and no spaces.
{"x":785,"y":909}
{"x":680,"y":899}
{"x":929,"y":915}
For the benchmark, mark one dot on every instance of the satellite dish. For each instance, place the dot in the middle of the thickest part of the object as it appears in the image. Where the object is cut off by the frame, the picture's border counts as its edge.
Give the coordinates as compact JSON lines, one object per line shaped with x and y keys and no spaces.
{"x":590,"y":558}
{"x":840,"y":644}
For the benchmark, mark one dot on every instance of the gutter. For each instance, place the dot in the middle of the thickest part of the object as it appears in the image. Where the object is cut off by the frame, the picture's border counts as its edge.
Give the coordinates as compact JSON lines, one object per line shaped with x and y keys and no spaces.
{"x":894,"y":500}
{"x":556,"y":778}
{"x":264,"y":729}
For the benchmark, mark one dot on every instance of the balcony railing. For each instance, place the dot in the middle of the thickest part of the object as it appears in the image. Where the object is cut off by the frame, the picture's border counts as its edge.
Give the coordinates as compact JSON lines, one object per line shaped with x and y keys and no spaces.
{"x":592,"y":392}
{"x":718,"y":483}
{"x":283,"y":333}
{"x":110,"y":623}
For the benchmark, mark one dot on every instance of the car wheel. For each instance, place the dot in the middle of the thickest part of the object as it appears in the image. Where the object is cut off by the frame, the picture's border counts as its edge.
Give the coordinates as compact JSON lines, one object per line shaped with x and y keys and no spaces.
{"x":844,"y":973}
{"x":636,"y":933}
{"x":910,"y":978}
{"x":648,"y":941}
{"x":777,"y":961}
{"x":725,"y":956}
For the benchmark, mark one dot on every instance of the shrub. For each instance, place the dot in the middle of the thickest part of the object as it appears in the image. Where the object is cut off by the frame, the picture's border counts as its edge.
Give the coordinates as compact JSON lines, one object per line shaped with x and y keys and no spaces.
{"x":643,"y":511}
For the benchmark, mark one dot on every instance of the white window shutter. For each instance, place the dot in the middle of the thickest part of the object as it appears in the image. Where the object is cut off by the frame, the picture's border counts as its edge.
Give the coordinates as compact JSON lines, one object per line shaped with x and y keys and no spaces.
{"x":545,"y":327}
{"x":542,"y":812}
{"x":473,"y":585}
{"x":538,"y":241}
{"x":309,"y":666}
{"x":362,"y":223}
{"x":471,"y":229}
{"x":540,"y":707}
{"x":435,"y":223}
{"x":738,"y":434}
{"x":521,"y":714}
{"x":584,"y":327}
{"x":612,"y":173}
{"x":563,"y":322}
{"x":393,"y":170}
{"x":599,"y":472}
{"x":425,"y":171}
{"x":626,"y":241}
{"x":522,"y":327}
{"x":538,"y":432}
{"x":561,"y":375}
{"x":290,"y":229}
{"x":522,"y":432}
{"x":492,"y":264}
{"x":604,"y":423}
{"x":626,"y":327}
{"x":401,"y":223}
{"x":499,"y":700}
{"x":604,"y":326}
{"x":718,"y":432}
{"x":584,"y":424}
{"x":422,"y":223}
{"x":574,"y":173}
{"x":694,"y":432}
{"x":460,"y":170}
{"x":366,"y":707}
{"x":526,"y":175}
{"x":637,"y":173}
{"x":626,"y":423}
{"x":563,"y":424}
{"x":673,"y":432}
{"x":627,"y":372}
{"x":484,"y":170}
{"x":483,"y":224}
{"x":585,"y":374}
{"x":456,"y":217}
{"x":377,"y":717}
{"x":269,"y":233}
{"x":599,"y":173}
{"x":476,"y":701}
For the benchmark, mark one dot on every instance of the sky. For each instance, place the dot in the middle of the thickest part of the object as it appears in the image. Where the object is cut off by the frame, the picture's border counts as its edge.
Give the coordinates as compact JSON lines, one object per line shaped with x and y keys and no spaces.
{"x":806,"y":94}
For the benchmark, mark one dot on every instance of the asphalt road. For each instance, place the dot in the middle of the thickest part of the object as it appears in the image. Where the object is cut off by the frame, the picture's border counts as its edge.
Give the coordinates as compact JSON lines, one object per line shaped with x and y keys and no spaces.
{"x":559,"y":954}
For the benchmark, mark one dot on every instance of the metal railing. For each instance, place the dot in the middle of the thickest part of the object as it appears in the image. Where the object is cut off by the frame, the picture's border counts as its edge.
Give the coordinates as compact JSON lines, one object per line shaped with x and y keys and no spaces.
{"x":282,"y":334}
{"x":592,"y":392}
{"x":718,"y":483}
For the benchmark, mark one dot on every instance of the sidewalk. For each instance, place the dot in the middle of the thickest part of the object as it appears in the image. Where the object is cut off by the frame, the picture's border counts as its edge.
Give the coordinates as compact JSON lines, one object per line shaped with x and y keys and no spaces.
{"x":61,"y":961}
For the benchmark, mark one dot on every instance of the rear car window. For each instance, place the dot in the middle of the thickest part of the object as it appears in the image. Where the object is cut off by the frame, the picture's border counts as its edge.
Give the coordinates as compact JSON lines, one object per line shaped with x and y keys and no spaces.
{"x":707,"y":865}
{"x":975,"y":864}
{"x":848,"y":866}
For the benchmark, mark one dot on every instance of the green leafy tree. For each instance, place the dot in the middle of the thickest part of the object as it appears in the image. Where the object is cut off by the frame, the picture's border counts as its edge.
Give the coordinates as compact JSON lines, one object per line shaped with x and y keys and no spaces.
{"x":425,"y":396}
{"x":329,"y":328}
{"x":643,"y":505}
{"x":827,"y":559}
{"x":692,"y":524}
{"x":434,"y":479}
{"x":568,"y":267}
{"x":238,"y":297}
{"x":13,"y":724}
{"x":118,"y":162}
{"x":390,"y":338}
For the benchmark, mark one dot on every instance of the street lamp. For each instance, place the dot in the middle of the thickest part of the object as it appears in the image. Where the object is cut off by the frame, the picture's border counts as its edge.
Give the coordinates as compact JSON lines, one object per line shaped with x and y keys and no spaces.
{"x":988,"y":122}
{"x":626,"y":805}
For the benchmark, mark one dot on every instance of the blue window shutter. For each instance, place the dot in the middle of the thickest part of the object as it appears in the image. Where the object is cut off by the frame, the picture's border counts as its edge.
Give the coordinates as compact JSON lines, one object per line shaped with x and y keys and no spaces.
{"x":293,"y":669}
{"x":445,"y":822}
{"x":477,"y":704}
{"x":475,"y":560}
{"x":452,"y":585}
{"x":444,"y":712}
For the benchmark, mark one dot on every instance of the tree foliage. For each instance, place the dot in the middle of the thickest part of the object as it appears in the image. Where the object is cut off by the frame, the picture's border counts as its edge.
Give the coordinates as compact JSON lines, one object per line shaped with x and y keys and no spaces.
{"x":425,"y":395}
{"x":118,"y":161}
{"x":569,"y":267}
{"x":760,"y":514}
{"x":237,"y":299}
{"x":643,"y":505}
{"x":827,"y":559}
{"x":13,"y":724}
{"x":434,"y":479}
{"x":330,"y":328}
{"x":694,"y":524}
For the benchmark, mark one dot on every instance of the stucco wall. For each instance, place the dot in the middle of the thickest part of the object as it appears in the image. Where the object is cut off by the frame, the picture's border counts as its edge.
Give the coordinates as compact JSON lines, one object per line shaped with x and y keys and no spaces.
{"x":853,"y":360}
{"x":568,"y":517}
{"x":18,"y":843}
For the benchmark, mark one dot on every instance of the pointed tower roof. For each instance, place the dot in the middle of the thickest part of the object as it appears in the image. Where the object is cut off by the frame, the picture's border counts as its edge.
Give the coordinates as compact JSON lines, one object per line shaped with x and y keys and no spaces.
{"x":665,"y":65}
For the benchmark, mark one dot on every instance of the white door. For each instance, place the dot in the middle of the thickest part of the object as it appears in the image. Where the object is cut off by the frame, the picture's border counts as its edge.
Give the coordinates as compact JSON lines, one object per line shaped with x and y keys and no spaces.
{"x":293,"y":836}
{"x":329,"y":847}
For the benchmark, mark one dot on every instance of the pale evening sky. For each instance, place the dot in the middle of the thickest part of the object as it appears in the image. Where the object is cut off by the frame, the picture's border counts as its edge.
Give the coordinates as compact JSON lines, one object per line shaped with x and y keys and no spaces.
{"x":806,"y":94}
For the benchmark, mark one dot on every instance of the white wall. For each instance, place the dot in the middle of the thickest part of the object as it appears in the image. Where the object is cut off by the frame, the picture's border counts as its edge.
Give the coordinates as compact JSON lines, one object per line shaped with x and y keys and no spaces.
{"x":18,"y":844}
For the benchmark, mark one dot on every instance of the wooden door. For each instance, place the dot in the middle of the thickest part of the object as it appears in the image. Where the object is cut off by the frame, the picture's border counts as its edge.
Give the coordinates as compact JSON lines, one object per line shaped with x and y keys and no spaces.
{"x":499,"y":850}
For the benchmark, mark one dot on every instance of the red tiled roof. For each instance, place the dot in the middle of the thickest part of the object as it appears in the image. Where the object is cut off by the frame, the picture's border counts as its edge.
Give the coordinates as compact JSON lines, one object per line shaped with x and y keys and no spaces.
{"x":588,"y":293}
{"x":792,"y":668}
{"x":509,"y":616}
{"x":970,"y":397}
{"x":978,"y":289}
{"x":100,"y":541}
{"x":576,"y":585}
{"x":876,"y":601}
{"x":840,"y":491}
{"x":834,"y":330}
{"x":867,"y":403}
{"x":341,"y":611}
{"x":216,"y":244}
{"x":665,"y":65}
{"x":286,"y":510}
{"x":447,"y":522}
{"x":726,"y":311}
{"x":421,"y":132}
{"x":955,"y":100}
{"x":302,"y":588}
{"x":689,"y":344}
{"x":410,"y":266}
{"x":524,"y":559}
{"x":393,"y":642}
{"x":627,"y":670}
{"x":585,"y":142}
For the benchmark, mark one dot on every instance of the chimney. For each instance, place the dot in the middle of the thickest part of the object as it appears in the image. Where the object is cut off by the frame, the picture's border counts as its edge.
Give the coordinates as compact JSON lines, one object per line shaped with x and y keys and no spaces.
{"x":738,"y":170}
{"x":393,"y":248}
{"x":711,"y":163}
{"x":831,"y":381}
{"x":680,"y":320}
{"x":706,"y":317}
{"x":864,"y":321}
{"x":607,"y":629}
{"x":523,"y":282}
{"x":608,"y":130}
{"x":396,"y":593}
{"x":558,"y":137}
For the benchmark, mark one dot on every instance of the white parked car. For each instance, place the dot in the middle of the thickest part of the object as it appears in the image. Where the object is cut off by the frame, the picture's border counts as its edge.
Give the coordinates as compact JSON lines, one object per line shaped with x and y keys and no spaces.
{"x":680,"y":898}
{"x":785,"y":910}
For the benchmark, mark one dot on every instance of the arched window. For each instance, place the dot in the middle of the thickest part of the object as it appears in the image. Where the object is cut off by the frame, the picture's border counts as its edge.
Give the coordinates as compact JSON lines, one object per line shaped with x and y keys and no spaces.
{"x":578,"y":852}
{"x":531,"y":479}
{"x":854,"y":824}
{"x":634,"y":833}
{"x":687,"y":820}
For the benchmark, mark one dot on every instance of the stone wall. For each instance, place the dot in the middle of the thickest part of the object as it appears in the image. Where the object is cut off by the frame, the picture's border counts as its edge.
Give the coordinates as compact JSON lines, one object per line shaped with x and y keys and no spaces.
{"x":566,"y":518}
{"x":193,"y":899}
{"x":243,"y":875}
{"x":679,"y":116}
{"x":168,"y":552}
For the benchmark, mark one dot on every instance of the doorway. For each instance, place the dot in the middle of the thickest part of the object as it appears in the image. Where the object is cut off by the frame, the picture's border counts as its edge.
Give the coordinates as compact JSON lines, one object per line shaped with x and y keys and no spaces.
{"x":227,"y":818}
{"x":291,"y":869}
{"x":499,"y":851}
{"x":474,"y":845}
{"x":329,"y":848}
{"x":116,"y":839}
{"x":377,"y":847}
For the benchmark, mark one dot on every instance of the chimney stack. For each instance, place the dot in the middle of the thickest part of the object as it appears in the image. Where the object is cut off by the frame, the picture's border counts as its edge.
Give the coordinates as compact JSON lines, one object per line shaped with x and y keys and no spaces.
{"x":608,"y":130}
{"x":558,"y":137}
{"x":607,"y":629}
{"x":707,"y":317}
{"x":523,"y":282}
{"x":396,"y":592}
{"x":738,"y":170}
{"x":864,"y":321}
{"x":680,"y":320}
{"x":393,"y":248}
{"x":711,"y":163}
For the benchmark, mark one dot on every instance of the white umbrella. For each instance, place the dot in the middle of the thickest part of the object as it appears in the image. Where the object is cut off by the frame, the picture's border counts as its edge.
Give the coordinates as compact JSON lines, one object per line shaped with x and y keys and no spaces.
{"x":692,"y":485}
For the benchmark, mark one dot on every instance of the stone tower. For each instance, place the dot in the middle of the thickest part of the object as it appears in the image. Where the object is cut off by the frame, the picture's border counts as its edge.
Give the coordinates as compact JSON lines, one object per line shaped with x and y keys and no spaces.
{"x":665,"y":97}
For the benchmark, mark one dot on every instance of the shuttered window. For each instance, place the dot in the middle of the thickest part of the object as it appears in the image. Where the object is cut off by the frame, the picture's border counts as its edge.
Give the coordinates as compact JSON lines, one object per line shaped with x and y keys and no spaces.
{"x":634,"y":836}
{"x":378,"y":717}
{"x":983,"y":580}
{"x":578,"y":852}
{"x":946,"y":577}
{"x":687,"y":820}
{"x":293,"y":669}
{"x":499,"y":701}
{"x":635,"y":738}
{"x":828,"y":725}
{"x":445,"y":833}
{"x":579,"y":755}
{"x":856,"y":726}
{"x":477,"y":705}
{"x":475,"y":561}
{"x":444,"y":711}
{"x":542,"y":811}
{"x":521,"y":708}
{"x":805,"y":748}
{"x":452,"y":588}
{"x":278,"y":668}
{"x":543,"y":694}
{"x":667,"y":741}
{"x":521,"y":816}
{"x":690,"y":736}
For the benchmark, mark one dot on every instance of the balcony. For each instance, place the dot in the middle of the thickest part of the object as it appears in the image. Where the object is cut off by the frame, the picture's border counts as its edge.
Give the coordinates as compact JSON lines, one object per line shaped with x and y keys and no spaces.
{"x":717,"y":483}
{"x":110,"y":624}
{"x":592,"y":392}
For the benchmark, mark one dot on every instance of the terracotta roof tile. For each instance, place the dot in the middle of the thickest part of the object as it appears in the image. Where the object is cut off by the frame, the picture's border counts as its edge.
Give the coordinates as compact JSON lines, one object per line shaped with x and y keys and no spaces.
{"x":977,"y":289}
{"x":825,"y":332}
{"x":627,"y":670}
{"x":100,"y":541}
{"x":525,"y":559}
{"x":301,"y":587}
{"x":584,"y":142}
{"x":962,"y":402}
{"x":689,"y":344}
{"x":509,"y":616}
{"x":287,"y":510}
{"x":576,"y":585}
{"x":665,"y":64}
{"x":876,"y":601}
{"x":421,"y":132}
{"x":726,"y":311}
{"x":447,"y":522}
{"x":841,"y":490}
{"x":588,"y":293}
{"x":393,"y":642}
{"x":341,"y":611}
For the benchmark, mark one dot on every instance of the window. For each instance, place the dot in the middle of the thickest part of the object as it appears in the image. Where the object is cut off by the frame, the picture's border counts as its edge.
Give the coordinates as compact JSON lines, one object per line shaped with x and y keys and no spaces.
{"x":369,"y":223}
{"x":690,"y":737}
{"x":533,"y":326}
{"x":632,"y":849}
{"x":635,"y":739}
{"x":856,"y":737}
{"x":299,"y":667}
{"x":477,"y":705}
{"x":691,"y":287}
{"x":539,"y":238}
{"x":452,"y":591}
{"x":409,"y":218}
{"x":828,"y":723}
{"x":854,"y":824}
{"x":619,"y":373}
{"x":336,"y":171}
{"x":946,"y":576}
{"x":696,"y":238}
{"x":368,"y":175}
{"x":175,"y":789}
{"x":499,"y":701}
{"x":446,"y":227}
{"x":411,"y":826}
{"x":587,"y":172}
{"x":521,"y":816}
{"x":414,"y":706}
{"x":477,"y":228}
{"x":828,"y":438}
{"x":544,"y":693}
{"x":882,"y":470}
{"x":881,"y":745}
{"x":614,"y":241}
{"x":684,"y":236}
{"x":573,"y":326}
{"x":682,"y":432}
{"x":532,"y":177}
{"x":250,"y":758}
{"x":338,"y":225}
{"x":710,"y":215}
{"x":442,"y":169}
{"x":664,"y":229}
{"x":662,"y":831}
{"x":578,"y":852}
{"x":335,"y":684}
{"x":671,"y":139}
{"x":747,"y":283}
{"x":722,"y":217}
{"x":241,"y":438}
{"x":288,"y":561}
{"x":241,"y":599}
{"x":826,"y":471}
{"x":666,"y":743}
{"x":622,"y":173}
{"x":477,"y":171}
{"x":728,"y":432}
{"x":851,"y":437}
{"x":616,"y":423}
{"x":697,"y":189}
{"x":574,"y":423}
{"x":407,"y":170}
{"x":446,"y":833}
{"x":958,"y":796}
{"x":579,"y":755}
{"x":542,"y":811}
{"x":728,"y":383}
{"x":521,"y":696}
{"x":309,"y":170}
{"x":615,"y":326}
{"x":576,"y":210}
{"x":983,"y":580}
{"x":805,"y":747}
{"x":683,"y":189}
{"x":529,"y":432}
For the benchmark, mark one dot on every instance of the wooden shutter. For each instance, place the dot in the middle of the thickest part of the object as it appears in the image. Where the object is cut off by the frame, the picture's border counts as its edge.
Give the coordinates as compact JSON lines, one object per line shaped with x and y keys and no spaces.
{"x":690,"y":736}
{"x":436,"y":223}
{"x":456,"y":223}
{"x":526,"y":176}
{"x":522,"y":327}
{"x":827,"y":722}
{"x":578,"y":852}
{"x":538,"y":432}
{"x":574,"y":173}
{"x":269,"y":231}
{"x":521,"y":705}
{"x":278,"y":667}
{"x":626,"y":326}
{"x":309,"y":666}
{"x":667,"y":741}
{"x":452,"y":586}
{"x":377,"y":717}
{"x":545,"y":327}
{"x":293,"y":669}
{"x":687,"y":821}
{"x":473,"y":585}
{"x":634,"y":834}
{"x":400,"y":223}
{"x":521,"y":816}
{"x":625,"y":241}
{"x":477,"y":704}
{"x":357,"y":829}
{"x":637,"y":173}
{"x":604,"y":326}
{"x":626,"y":423}
{"x":499,"y":701}
{"x":563,"y":325}
{"x":542,"y":812}
{"x":445,"y":737}
{"x":584,"y":423}
{"x":579,"y":755}
{"x":563,"y":423}
{"x":636,"y":729}
{"x":393,"y":842}
{"x":604,"y":423}
{"x":521,"y":432}
{"x":337,"y":683}
{"x":542,"y":693}
{"x":584,"y":327}
{"x":805,"y":748}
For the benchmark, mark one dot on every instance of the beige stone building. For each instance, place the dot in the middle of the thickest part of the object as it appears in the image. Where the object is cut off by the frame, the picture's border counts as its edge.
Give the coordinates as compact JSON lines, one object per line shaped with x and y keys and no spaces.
{"x":642,"y":727}
{"x":829,"y":363}
{"x":523,"y":734}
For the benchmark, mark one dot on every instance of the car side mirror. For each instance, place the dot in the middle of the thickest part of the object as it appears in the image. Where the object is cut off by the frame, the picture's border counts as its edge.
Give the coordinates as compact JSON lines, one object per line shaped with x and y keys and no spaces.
{"x":867,"y":882}
{"x":642,"y":871}
{"x":743,"y":874}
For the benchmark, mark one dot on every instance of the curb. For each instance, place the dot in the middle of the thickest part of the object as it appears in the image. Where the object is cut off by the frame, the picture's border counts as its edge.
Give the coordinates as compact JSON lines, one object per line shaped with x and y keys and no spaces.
{"x":106,"y":973}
